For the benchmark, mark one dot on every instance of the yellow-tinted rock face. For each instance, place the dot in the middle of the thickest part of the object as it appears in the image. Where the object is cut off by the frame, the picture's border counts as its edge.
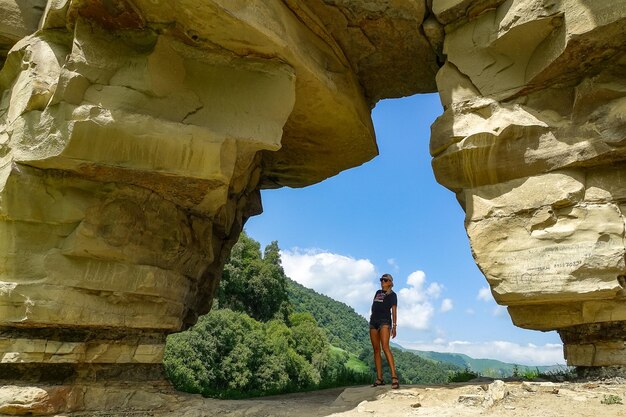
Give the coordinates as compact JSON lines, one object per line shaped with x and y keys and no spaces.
{"x":532,"y":141}
{"x":134,"y":138}
{"x":19,"y":18}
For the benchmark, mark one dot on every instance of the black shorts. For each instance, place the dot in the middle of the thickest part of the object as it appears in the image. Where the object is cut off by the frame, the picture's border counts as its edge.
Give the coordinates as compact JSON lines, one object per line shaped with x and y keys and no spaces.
{"x":377,"y":324}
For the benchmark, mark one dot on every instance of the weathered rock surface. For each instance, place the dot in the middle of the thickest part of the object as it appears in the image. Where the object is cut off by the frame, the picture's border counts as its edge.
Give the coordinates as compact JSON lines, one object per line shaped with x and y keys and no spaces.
{"x":19,"y":18}
{"x":134,"y":139}
{"x":532,"y":141}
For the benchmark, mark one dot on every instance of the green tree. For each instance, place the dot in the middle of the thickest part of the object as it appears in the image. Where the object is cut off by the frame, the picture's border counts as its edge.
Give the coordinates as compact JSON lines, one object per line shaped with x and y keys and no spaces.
{"x":310,"y":341}
{"x":252,"y":284}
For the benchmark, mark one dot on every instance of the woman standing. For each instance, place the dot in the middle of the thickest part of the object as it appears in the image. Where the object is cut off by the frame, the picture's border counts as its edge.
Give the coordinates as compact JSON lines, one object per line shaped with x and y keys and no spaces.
{"x":382,"y":325}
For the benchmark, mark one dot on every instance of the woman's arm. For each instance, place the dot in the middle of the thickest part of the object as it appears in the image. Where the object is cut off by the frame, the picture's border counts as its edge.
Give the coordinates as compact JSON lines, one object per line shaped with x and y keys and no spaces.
{"x":394,"y":318}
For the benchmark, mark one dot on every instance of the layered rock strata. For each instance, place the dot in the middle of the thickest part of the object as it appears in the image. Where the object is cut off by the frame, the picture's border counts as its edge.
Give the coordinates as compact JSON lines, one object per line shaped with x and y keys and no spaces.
{"x":134,"y":139}
{"x":533,"y":141}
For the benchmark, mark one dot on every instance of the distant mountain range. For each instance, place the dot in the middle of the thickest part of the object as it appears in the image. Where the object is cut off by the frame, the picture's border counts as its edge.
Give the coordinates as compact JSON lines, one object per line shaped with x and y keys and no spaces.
{"x":487,"y":367}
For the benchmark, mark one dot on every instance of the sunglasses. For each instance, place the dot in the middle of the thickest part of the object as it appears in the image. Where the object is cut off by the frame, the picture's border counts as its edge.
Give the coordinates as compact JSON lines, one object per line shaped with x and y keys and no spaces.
{"x":385,"y":280}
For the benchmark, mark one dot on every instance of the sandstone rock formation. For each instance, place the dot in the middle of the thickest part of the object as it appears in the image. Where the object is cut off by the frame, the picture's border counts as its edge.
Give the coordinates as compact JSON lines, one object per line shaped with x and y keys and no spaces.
{"x":532,"y":140}
{"x":135,"y":136}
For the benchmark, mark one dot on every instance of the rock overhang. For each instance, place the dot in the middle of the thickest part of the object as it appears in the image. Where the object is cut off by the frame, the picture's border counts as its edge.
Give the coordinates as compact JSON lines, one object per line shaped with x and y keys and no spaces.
{"x":158,"y":122}
{"x":345,"y":54}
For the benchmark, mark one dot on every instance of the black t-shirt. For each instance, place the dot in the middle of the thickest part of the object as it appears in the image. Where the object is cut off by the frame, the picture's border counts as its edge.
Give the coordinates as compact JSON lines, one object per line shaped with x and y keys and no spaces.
{"x":381,"y":306}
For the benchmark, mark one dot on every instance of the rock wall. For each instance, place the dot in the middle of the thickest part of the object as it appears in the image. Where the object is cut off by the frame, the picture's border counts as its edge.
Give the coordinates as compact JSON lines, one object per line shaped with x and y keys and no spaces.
{"x":532,"y":140}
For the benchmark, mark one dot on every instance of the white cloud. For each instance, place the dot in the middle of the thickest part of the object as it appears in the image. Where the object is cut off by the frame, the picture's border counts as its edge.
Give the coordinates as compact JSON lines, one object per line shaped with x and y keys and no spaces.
{"x":446,"y":305}
{"x":412,"y":295}
{"x":393,"y":264}
{"x":416,"y":279}
{"x":354,"y":282}
{"x":414,"y":315}
{"x":434,"y":290}
{"x":470,"y":311}
{"x":415,"y":303}
{"x":351,"y":281}
{"x":484,"y":294}
{"x":498,"y":311}
{"x":522,"y":354}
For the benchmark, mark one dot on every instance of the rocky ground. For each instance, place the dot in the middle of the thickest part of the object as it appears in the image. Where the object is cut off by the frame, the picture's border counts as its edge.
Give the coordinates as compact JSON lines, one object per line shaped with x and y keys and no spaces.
{"x":519,"y":399}
{"x":606,"y":398}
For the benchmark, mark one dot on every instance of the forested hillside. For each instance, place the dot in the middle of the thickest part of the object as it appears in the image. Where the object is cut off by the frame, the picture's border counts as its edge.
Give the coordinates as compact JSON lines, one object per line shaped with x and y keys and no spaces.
{"x":346,"y":329}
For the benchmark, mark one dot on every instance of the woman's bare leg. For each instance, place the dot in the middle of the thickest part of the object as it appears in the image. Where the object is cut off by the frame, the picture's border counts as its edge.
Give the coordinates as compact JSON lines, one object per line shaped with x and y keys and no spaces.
{"x":375,"y":338}
{"x":384,"y":339}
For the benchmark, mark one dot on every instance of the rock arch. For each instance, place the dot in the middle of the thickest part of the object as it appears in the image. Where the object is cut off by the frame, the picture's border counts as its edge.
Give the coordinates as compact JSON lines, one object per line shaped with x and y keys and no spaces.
{"x":135,"y":136}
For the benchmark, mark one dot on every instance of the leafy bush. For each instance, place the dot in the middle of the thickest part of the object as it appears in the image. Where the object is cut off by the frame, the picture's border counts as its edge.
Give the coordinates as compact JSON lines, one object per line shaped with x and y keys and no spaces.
{"x":251,"y":345}
{"x":611,"y":399}
{"x":560,"y":374}
{"x":463,"y":375}
{"x":529,"y":374}
{"x":227,"y":354}
{"x":224,"y":352}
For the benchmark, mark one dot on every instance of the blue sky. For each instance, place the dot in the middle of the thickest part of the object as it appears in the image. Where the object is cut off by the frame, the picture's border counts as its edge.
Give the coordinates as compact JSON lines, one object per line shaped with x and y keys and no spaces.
{"x":390,"y":215}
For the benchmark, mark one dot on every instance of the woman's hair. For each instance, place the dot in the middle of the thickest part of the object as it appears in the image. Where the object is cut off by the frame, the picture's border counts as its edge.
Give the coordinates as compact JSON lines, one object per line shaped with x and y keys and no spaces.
{"x":390,"y":280}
